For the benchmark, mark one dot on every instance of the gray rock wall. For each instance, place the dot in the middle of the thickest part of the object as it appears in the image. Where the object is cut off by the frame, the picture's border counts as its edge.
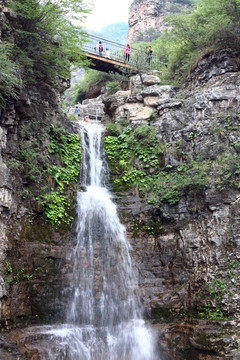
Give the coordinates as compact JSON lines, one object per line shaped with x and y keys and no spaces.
{"x":189,"y":270}
{"x":30,"y":249}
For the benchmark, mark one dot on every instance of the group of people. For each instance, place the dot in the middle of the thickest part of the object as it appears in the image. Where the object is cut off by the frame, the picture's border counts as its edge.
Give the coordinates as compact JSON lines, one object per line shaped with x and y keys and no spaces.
{"x":127,"y":52}
{"x":99,"y":48}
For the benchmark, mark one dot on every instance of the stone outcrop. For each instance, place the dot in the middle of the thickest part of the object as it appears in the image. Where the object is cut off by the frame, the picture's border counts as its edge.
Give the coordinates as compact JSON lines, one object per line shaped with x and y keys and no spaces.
{"x":30,"y":249}
{"x":190,"y":268}
{"x":147,"y":14}
{"x":92,"y":108}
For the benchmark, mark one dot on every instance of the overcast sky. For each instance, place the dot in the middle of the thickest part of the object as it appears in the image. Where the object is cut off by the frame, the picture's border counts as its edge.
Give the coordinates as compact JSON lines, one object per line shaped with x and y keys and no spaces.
{"x":107,"y":12}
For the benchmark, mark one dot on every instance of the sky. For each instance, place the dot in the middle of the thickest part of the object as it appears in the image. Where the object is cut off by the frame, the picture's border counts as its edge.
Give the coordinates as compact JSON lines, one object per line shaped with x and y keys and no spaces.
{"x":107,"y":12}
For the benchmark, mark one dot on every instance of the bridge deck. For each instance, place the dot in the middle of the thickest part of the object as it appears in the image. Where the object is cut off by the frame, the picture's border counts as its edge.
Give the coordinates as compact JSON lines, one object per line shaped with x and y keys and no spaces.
{"x":114,"y":62}
{"x":104,"y":64}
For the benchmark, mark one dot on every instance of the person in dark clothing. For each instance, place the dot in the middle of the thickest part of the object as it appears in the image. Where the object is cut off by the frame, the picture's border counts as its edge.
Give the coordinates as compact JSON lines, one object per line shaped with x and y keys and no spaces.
{"x":149,"y":55}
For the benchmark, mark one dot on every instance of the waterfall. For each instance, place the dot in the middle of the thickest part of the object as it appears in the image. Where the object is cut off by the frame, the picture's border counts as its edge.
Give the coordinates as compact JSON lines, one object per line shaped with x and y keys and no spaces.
{"x":103,"y":318}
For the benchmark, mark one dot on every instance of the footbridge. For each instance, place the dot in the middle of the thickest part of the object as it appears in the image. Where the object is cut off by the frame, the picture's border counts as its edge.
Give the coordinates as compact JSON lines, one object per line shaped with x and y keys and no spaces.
{"x":112,"y":58}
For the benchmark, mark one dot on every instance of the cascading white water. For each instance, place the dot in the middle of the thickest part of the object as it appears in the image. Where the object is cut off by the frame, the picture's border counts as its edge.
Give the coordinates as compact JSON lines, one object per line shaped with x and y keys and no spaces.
{"x":104,"y":315}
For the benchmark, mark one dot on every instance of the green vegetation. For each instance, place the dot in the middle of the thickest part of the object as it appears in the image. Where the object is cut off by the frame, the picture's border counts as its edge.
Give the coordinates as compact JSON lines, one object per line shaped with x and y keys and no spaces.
{"x":68,"y":147}
{"x":211,"y":313}
{"x":42,"y":46}
{"x":9,"y":76}
{"x":208,"y":25}
{"x":14,"y":275}
{"x":151,"y":226}
{"x":166,"y":314}
{"x":218,"y":288}
{"x":148,"y":35}
{"x":92,"y":78}
{"x":225,"y":285}
{"x":113,"y":87}
{"x":123,"y":149}
{"x":49,"y":157}
{"x":137,"y":159}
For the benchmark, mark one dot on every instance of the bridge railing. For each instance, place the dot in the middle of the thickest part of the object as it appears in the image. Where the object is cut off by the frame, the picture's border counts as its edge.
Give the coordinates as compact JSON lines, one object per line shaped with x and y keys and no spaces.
{"x":117,"y":52}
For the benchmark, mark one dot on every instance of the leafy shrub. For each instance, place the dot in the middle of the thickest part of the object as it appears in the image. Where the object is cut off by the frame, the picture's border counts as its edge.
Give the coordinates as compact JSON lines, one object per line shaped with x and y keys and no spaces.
{"x":211,"y":25}
{"x":9,"y":74}
{"x":91,"y":78}
{"x":55,"y":203}
{"x":113,"y":129}
{"x":56,"y":207}
{"x":46,"y":43}
{"x":113,"y":87}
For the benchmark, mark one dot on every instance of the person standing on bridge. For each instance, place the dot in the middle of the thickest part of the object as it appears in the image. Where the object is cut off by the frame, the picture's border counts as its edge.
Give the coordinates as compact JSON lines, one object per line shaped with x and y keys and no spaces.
{"x":107,"y":54}
{"x":127,"y":52}
{"x":149,"y":55}
{"x":100,"y":48}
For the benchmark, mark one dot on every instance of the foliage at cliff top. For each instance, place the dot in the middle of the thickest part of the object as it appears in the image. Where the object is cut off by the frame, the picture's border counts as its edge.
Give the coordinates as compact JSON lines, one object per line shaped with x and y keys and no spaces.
{"x":43,"y":43}
{"x":212,"y":24}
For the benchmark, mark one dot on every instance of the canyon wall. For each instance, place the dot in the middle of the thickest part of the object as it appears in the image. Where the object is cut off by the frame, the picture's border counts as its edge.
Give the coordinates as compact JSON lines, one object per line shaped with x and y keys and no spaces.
{"x":188,"y":268}
{"x":31,"y":249}
{"x":150,"y":14}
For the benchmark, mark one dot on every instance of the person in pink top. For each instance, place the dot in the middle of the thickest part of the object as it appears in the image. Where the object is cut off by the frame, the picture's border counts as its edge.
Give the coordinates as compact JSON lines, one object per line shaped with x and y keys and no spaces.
{"x":127,"y":52}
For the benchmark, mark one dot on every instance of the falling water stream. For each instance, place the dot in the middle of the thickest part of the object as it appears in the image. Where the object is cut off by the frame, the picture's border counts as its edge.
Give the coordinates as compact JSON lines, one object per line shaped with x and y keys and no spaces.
{"x":103,"y":317}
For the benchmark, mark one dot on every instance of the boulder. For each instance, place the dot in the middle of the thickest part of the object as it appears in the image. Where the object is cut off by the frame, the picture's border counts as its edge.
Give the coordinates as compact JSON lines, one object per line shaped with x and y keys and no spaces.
{"x":135,"y":112}
{"x":149,"y":80}
{"x":164,"y":91}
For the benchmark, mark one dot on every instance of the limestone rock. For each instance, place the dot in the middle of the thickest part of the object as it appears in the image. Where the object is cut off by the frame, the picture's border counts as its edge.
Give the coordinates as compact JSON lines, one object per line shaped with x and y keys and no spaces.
{"x":134,"y":112}
{"x":168,"y":103}
{"x":5,"y":198}
{"x":164,"y":91}
{"x":151,"y":101}
{"x":214,"y":64}
{"x":150,"y":14}
{"x":150,"y":80}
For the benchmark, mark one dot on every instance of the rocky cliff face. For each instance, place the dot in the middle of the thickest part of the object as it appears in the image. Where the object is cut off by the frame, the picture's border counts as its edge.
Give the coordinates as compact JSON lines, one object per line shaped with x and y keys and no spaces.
{"x":30,"y":248}
{"x":144,"y":15}
{"x":189,"y":270}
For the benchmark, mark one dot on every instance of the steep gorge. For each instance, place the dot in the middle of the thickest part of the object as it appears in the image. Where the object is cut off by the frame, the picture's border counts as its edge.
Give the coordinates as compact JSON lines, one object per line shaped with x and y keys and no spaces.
{"x":186,"y":247}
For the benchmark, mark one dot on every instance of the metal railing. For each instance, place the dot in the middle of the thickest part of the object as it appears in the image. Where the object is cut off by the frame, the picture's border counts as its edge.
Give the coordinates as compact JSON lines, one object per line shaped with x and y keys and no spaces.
{"x":97,"y":114}
{"x":117,"y":52}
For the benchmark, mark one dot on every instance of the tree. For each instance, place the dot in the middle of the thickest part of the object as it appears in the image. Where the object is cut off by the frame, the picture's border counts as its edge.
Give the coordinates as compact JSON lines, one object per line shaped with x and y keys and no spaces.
{"x":9,"y":74}
{"x":46,"y":41}
{"x":211,"y":25}
{"x":148,"y":35}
